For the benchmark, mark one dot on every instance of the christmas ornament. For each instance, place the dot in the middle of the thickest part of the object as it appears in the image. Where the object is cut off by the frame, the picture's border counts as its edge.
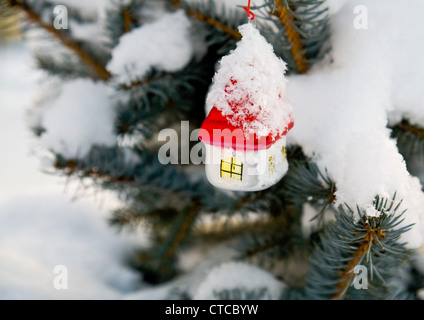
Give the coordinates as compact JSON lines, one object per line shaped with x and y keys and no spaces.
{"x":245,"y":131}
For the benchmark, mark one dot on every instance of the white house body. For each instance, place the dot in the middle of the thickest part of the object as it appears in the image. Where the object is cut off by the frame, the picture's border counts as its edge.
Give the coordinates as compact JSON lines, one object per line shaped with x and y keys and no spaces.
{"x":246,"y":170}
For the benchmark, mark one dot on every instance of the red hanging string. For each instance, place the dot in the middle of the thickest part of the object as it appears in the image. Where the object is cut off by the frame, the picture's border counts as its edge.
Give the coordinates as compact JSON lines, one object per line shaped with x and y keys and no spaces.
{"x":250,"y":14}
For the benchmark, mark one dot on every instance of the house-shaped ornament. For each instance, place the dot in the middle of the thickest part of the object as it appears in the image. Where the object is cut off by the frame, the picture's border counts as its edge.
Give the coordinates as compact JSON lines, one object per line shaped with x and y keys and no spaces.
{"x":245,"y":131}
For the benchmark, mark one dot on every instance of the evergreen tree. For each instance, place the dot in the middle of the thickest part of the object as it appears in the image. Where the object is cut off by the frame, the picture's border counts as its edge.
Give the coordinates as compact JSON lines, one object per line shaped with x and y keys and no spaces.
{"x":121,"y":103}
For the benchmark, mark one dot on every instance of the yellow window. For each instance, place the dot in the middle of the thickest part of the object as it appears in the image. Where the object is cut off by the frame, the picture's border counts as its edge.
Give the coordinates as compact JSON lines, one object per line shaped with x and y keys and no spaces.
{"x":271,"y":165}
{"x":231,"y":168}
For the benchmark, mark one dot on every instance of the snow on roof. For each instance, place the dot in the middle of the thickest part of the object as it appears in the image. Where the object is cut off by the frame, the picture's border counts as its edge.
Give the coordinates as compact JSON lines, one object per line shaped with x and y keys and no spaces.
{"x":249,"y":88}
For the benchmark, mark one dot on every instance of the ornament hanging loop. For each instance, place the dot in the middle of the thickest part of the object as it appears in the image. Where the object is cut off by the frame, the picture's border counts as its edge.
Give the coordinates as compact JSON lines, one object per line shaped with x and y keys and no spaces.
{"x":250,"y":14}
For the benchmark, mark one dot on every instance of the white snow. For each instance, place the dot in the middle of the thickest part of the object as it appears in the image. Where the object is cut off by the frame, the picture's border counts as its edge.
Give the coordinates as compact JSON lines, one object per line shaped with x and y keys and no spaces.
{"x":250,"y":83}
{"x":38,"y":233}
{"x":201,"y":260}
{"x":82,"y":115}
{"x":143,"y":48}
{"x":248,"y":279}
{"x":85,"y":31}
{"x":40,"y":228}
{"x":372,"y":212}
{"x":343,"y":104}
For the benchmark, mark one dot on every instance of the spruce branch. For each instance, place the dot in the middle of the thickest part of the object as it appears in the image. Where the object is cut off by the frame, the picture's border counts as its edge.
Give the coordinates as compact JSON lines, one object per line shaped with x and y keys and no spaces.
{"x":277,"y":238}
{"x":228,"y":228}
{"x":287,"y":19}
{"x":302,"y":31}
{"x":76,"y":167}
{"x":158,"y":262}
{"x":206,"y":12}
{"x":373,"y":235}
{"x":405,"y":125}
{"x":410,"y":138}
{"x":261,"y":248}
{"x":99,"y":70}
{"x":273,"y":247}
{"x":121,"y":18}
{"x":216,"y":23}
{"x":305,"y":183}
{"x":66,"y":67}
{"x":151,"y":216}
{"x":108,"y":166}
{"x":180,"y":233}
{"x":176,"y":3}
{"x":169,"y":83}
{"x":145,"y":81}
{"x":9,"y":21}
{"x":127,"y":18}
{"x":160,"y":97}
{"x":372,"y":241}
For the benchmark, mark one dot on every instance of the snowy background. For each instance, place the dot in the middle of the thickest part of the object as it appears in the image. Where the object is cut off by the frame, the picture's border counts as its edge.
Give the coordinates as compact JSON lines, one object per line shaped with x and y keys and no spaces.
{"x":372,"y":77}
{"x":40,"y":226}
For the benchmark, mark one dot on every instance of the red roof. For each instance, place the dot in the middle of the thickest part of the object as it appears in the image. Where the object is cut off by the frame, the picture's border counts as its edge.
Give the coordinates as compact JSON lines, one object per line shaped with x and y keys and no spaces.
{"x":216,"y":130}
